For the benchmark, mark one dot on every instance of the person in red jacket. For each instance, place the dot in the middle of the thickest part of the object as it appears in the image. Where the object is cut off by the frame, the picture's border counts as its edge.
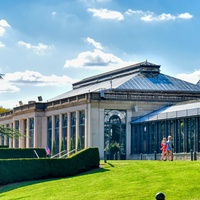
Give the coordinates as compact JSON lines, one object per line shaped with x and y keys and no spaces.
{"x":164,"y":155}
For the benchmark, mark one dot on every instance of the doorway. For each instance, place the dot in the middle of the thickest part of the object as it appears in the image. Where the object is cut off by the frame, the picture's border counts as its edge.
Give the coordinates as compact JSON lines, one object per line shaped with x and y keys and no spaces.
{"x":115,"y":134}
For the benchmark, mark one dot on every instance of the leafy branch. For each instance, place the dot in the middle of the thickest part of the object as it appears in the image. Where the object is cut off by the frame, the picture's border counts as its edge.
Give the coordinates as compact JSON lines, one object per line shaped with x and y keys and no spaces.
{"x":10,"y":132}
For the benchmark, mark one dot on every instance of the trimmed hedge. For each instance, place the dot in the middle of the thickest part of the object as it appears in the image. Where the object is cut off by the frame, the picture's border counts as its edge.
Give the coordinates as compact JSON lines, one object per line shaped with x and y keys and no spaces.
{"x":16,"y":170}
{"x":7,"y":153}
{"x":4,"y":146}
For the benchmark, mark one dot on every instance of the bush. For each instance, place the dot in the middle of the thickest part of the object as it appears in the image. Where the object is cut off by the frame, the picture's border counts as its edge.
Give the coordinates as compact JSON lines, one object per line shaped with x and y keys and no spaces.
{"x":15,"y":170}
{"x":7,"y":153}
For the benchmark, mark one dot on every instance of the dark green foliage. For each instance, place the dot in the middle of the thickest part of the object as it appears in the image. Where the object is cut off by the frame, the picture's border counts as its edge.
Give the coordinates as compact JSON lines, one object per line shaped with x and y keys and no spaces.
{"x":53,"y":148}
{"x":15,"y":170}
{"x":10,"y":132}
{"x":7,"y":153}
{"x":4,"y":146}
{"x":114,"y":147}
{"x":79,"y":144}
{"x":71,"y":144}
{"x":62,"y":148}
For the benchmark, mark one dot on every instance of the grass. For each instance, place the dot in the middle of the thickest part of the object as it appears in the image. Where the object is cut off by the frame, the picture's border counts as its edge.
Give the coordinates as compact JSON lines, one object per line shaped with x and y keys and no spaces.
{"x":137,"y":180}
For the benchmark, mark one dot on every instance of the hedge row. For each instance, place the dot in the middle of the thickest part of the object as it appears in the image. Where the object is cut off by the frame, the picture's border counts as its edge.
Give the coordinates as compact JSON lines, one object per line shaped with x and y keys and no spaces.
{"x":6,"y":153}
{"x":16,"y":170}
{"x":4,"y":146}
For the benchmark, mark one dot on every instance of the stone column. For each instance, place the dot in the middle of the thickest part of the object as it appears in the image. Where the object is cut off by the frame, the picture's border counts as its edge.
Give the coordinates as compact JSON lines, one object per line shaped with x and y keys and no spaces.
{"x":14,"y":138}
{"x":53,"y":131}
{"x":86,"y":128}
{"x":27,"y":133}
{"x":44,"y":130}
{"x":60,"y":131}
{"x":35,"y":133}
{"x":38,"y":131}
{"x":88,"y":124}
{"x":128,"y":133}
{"x":10,"y":139}
{"x":101,"y":132}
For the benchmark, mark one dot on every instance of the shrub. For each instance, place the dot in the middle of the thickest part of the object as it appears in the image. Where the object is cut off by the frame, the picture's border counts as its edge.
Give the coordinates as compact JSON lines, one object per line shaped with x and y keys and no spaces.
{"x":15,"y":170}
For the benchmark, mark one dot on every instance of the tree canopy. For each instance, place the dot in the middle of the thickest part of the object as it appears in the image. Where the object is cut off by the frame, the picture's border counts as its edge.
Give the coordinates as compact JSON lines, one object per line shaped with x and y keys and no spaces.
{"x":2,"y":110}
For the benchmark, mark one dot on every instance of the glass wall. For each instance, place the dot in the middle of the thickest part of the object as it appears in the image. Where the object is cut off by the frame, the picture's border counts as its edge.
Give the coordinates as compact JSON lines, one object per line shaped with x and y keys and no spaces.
{"x":191,"y":133}
{"x":134,"y":140}
{"x":152,"y":137}
{"x":31,"y":132}
{"x":64,"y":131}
{"x":49,"y":132}
{"x":146,"y":137}
{"x":17,"y":139}
{"x":73,"y":131}
{"x":56,"y":132}
{"x":180,"y":135}
{"x":81,"y":138}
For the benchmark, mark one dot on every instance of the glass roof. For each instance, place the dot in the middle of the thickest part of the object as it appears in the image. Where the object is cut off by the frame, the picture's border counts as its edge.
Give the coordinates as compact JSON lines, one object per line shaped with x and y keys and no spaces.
{"x":147,"y":77}
{"x":158,"y":82}
{"x":184,"y":109}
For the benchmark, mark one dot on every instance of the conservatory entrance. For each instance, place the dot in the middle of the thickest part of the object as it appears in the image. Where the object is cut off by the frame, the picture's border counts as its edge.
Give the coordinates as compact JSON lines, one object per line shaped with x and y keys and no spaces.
{"x":115,"y":134}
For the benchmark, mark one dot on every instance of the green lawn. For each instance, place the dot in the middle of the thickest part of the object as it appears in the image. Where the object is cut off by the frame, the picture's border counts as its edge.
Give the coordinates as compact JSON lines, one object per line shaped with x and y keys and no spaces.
{"x":129,"y":180}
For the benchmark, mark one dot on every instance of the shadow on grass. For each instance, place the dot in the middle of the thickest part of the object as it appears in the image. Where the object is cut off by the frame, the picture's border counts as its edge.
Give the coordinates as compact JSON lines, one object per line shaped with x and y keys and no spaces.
{"x":111,"y":165}
{"x":13,"y":186}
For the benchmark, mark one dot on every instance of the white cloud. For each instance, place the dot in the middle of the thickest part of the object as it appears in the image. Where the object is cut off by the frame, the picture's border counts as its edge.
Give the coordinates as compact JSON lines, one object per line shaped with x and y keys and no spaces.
{"x":54,"y":13}
{"x":2,"y":31}
{"x":97,"y":45}
{"x":3,"y":25}
{"x":185,"y":16}
{"x":7,"y":87}
{"x":2,"y":45}
{"x":131,"y":12}
{"x":106,"y":14}
{"x":38,"y":49}
{"x":96,"y":59}
{"x":14,"y":82}
{"x":151,"y":16}
{"x":162,"y":17}
{"x":37,"y":79}
{"x":192,"y":78}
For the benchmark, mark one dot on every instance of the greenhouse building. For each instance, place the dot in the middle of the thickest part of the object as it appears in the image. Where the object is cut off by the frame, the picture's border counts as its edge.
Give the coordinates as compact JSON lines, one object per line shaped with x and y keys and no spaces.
{"x":124,"y":112}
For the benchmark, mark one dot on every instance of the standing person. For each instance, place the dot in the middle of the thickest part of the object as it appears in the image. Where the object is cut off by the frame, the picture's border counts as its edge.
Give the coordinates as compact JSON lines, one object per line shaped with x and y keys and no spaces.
{"x":170,"y":148}
{"x":164,"y":155}
{"x":48,"y":152}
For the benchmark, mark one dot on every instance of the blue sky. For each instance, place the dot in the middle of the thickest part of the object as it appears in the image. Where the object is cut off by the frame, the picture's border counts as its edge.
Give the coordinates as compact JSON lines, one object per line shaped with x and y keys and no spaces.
{"x":46,"y":45}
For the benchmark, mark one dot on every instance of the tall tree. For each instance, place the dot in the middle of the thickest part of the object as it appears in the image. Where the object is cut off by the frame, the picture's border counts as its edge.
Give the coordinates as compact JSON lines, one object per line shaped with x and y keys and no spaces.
{"x":3,"y":110}
{"x":9,"y":132}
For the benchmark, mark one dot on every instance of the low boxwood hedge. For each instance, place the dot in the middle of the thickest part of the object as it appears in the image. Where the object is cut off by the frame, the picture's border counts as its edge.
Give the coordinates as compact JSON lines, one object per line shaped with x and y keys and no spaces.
{"x":26,"y":169}
{"x":7,"y":153}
